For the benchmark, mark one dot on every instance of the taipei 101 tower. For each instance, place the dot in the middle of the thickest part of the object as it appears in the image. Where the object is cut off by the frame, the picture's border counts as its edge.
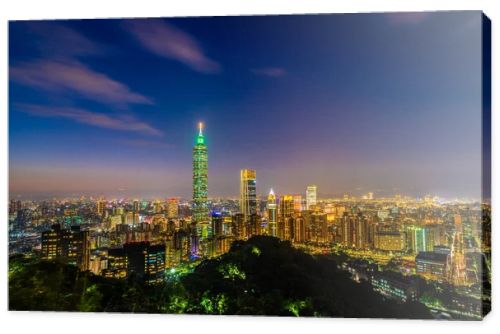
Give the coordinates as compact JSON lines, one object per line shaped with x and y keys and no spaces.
{"x":200,"y":179}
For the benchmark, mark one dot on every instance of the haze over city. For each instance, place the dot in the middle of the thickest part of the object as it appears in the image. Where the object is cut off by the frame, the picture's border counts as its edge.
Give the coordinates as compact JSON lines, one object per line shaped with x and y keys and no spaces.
{"x":110,"y":107}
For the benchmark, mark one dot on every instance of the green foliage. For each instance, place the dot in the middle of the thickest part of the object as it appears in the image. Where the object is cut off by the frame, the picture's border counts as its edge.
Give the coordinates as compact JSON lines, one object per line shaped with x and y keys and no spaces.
{"x":261,"y":276}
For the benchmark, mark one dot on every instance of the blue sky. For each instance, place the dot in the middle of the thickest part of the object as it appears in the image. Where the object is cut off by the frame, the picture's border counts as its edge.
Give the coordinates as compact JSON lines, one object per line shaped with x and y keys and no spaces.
{"x":389,"y":103}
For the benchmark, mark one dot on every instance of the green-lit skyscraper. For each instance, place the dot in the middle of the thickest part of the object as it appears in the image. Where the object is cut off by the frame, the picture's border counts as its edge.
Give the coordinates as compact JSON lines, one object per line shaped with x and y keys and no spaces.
{"x":200,"y":179}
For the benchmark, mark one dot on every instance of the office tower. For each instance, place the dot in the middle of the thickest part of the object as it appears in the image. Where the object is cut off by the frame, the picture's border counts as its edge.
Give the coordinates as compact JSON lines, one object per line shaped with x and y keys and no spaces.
{"x":68,"y":245}
{"x":177,"y":249}
{"x":254,"y":225}
{"x":419,"y":239}
{"x":172,"y":208}
{"x":297,"y":203}
{"x":389,"y":241}
{"x":140,"y":259}
{"x":200,"y":179}
{"x":272,"y":213}
{"x":100,"y":207}
{"x":136,"y":206}
{"x":248,"y":193}
{"x":299,"y":230}
{"x":117,"y":264}
{"x":311,"y":194}
{"x":432,"y":265}
{"x":238,"y":226}
{"x":355,"y":230}
{"x":316,"y":227}
{"x":285,"y":217}
{"x":286,"y":206}
{"x":217,"y":224}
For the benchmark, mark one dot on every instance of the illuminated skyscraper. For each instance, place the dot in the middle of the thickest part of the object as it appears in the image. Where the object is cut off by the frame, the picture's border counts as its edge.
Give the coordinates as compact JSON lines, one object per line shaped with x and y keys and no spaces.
{"x":172,"y":208}
{"x":100,"y":207}
{"x":311,"y":196}
{"x":297,"y":203}
{"x":272,"y":213}
{"x":68,"y":245}
{"x":200,"y":179}
{"x":136,"y":205}
{"x":248,"y":192}
{"x":286,"y":214}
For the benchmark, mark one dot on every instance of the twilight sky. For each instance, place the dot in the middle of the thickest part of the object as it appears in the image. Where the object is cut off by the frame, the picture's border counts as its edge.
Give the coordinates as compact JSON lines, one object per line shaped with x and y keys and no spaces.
{"x":389,"y":103}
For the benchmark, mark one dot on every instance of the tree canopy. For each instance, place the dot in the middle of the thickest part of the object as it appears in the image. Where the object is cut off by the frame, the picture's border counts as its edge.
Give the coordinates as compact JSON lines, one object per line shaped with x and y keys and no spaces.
{"x":260,"y":276}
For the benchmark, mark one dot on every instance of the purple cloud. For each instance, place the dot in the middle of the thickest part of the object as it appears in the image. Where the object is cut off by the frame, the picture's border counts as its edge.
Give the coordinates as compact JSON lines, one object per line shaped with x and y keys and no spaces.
{"x":77,"y":78}
{"x":57,"y":40}
{"x":269,"y":71}
{"x":123,"y":123}
{"x":167,"y":41}
{"x":407,"y":17}
{"x":145,"y":143}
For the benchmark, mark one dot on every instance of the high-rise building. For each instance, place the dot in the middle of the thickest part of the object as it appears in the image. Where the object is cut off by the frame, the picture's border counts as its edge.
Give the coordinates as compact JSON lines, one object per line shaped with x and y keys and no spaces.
{"x":100,"y":207}
{"x":299,"y":230}
{"x":286,"y":217}
{"x":248,"y":192}
{"x":217,"y":224}
{"x":297,"y":203}
{"x":136,"y":205}
{"x":317,"y":226}
{"x":389,"y":241}
{"x":69,"y":245}
{"x":172,"y":208}
{"x":355,"y":230}
{"x":311,"y":194}
{"x":200,"y":179}
{"x":272,"y":213}
{"x":140,"y":258}
{"x":286,"y":206}
{"x":419,"y":239}
{"x":238,"y":228}
{"x":432,"y":264}
{"x":254,"y":225}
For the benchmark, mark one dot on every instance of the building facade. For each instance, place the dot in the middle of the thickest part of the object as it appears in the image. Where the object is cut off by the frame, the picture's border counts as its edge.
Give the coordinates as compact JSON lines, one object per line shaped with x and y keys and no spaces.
{"x":200,"y":179}
{"x":248,"y":192}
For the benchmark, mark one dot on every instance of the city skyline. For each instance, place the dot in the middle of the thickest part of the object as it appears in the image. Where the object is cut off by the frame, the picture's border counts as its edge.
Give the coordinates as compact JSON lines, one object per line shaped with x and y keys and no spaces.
{"x":324,"y":114}
{"x":302,"y":165}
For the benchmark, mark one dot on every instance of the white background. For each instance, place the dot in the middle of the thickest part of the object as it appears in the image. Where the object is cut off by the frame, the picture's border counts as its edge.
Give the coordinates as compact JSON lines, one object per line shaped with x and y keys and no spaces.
{"x":41,"y":322}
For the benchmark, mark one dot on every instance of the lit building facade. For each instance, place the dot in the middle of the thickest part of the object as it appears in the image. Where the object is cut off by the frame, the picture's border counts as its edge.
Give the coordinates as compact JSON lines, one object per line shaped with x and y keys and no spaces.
{"x":200,"y":179}
{"x":137,"y":258}
{"x":172,"y":208}
{"x":432,"y":264}
{"x":311,"y":196}
{"x":68,"y":245}
{"x":392,"y":241}
{"x":272,"y":213}
{"x":248,"y":192}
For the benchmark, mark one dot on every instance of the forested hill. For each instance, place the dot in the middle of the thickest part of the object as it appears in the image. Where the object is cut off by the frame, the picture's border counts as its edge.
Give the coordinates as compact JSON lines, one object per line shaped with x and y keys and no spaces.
{"x":261,"y":276}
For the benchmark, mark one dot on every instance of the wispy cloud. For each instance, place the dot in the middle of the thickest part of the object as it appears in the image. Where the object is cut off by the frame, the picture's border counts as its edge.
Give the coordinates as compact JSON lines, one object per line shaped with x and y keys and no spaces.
{"x":407,"y":17}
{"x":143,"y":143}
{"x":62,"y":76}
{"x":56,"y":40}
{"x":269,"y":71}
{"x":102,"y":120}
{"x":165,"y":40}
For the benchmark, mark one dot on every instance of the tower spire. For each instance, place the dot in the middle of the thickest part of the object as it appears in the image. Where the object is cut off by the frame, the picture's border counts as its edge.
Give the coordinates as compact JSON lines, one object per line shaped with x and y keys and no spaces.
{"x":200,"y":126}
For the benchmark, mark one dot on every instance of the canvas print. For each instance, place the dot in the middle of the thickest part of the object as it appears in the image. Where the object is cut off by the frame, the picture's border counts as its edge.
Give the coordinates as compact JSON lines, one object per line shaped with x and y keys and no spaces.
{"x":333,"y":165}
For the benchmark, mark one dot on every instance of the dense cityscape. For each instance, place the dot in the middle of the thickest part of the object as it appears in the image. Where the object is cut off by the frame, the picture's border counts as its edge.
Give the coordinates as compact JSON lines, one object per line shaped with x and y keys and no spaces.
{"x":425,"y":250}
